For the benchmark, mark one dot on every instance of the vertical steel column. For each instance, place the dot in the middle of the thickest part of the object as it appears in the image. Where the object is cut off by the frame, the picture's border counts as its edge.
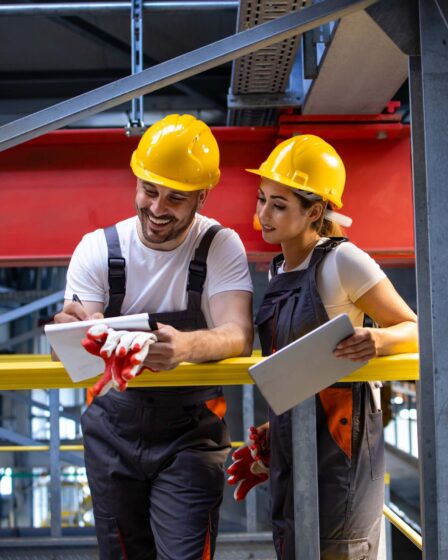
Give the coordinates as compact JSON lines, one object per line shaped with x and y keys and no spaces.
{"x":248,"y":421}
{"x":137,"y":116}
{"x":428,"y":79}
{"x":306,"y":503}
{"x":55,"y":469}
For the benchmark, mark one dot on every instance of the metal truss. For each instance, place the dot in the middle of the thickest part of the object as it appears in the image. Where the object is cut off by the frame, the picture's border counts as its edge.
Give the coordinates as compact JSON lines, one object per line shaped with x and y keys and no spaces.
{"x":176,"y":69}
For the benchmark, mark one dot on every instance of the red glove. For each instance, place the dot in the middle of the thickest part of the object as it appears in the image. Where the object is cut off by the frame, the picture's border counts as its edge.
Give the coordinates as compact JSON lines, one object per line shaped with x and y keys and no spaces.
{"x":123,"y":353}
{"x":250,"y":464}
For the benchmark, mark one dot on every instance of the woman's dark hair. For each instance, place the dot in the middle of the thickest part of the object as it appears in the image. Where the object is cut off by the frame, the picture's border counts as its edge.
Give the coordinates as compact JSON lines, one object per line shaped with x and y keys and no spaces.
{"x":323,"y":226}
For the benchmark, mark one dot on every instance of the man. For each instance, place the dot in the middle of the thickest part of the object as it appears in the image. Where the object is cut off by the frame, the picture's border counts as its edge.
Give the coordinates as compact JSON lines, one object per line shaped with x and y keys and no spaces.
{"x":155,"y":457}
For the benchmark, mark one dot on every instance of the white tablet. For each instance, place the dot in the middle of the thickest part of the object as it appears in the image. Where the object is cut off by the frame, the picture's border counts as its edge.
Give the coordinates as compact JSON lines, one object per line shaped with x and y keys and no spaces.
{"x":304,"y":367}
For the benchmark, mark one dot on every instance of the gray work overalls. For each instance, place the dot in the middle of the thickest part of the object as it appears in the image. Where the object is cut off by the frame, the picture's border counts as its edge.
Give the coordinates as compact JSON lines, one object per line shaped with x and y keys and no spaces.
{"x":350,"y":444}
{"x":155,"y":456}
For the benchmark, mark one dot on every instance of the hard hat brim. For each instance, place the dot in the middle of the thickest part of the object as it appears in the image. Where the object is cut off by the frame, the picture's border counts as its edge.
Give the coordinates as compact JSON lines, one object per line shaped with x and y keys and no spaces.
{"x":290,"y":183}
{"x":146,"y":175}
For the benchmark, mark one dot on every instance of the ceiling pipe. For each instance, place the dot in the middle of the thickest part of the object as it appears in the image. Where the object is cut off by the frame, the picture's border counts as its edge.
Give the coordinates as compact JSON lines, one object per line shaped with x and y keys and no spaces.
{"x":77,"y":8}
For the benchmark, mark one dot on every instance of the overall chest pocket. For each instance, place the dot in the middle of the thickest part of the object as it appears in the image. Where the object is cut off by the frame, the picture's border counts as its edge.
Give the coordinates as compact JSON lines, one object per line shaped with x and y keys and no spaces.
{"x":276,"y":319}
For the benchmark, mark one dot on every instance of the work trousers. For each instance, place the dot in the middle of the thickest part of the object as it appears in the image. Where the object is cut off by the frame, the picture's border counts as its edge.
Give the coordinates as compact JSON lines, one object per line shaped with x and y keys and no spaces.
{"x":156,"y":473}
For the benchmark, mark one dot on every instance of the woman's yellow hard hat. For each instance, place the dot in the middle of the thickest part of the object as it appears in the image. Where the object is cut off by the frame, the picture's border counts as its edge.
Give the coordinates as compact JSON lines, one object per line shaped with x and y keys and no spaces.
{"x":306,"y":163}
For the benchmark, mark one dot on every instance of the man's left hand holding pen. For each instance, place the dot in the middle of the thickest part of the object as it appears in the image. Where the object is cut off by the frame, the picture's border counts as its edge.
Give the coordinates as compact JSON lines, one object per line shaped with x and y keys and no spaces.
{"x":76,"y":310}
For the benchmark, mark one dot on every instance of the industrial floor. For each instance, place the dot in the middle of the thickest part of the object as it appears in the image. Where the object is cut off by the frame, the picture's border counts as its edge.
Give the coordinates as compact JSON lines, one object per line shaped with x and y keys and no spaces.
{"x":235,"y":546}
{"x":230,"y":547}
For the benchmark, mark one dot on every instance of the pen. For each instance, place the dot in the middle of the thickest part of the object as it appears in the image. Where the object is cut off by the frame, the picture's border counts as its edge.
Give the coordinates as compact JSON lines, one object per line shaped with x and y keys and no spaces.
{"x":76,"y":299}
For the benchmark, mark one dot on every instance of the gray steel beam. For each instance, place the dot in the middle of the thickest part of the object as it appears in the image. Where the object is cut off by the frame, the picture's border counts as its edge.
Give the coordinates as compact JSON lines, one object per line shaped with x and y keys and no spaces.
{"x":429,"y":122}
{"x":76,"y":8}
{"x":104,"y":39}
{"x":248,"y":421}
{"x":137,"y":111}
{"x":306,"y":503}
{"x":20,"y":338}
{"x":19,"y":397}
{"x":19,"y":439}
{"x":55,"y":466}
{"x":176,"y":69}
{"x":31,"y":307}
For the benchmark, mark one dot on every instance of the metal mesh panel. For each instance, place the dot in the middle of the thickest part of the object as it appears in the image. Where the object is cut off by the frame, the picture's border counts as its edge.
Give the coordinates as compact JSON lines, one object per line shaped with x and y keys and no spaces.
{"x":252,"y":117}
{"x":266,"y":70}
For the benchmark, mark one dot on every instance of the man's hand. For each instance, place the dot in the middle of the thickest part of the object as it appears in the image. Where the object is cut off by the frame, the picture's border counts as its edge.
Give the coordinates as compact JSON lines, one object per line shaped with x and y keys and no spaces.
{"x":74,"y":311}
{"x":123,"y":353}
{"x":250,"y":463}
{"x":172,"y":348}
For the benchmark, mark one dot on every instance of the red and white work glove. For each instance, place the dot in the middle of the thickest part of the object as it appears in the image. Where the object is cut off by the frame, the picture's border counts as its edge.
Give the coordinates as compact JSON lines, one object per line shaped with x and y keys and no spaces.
{"x":123,"y":353}
{"x":250,"y":464}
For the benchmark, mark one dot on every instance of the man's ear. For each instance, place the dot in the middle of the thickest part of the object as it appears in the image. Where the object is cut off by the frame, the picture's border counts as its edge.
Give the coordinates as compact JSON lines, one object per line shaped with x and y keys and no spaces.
{"x":203,"y":194}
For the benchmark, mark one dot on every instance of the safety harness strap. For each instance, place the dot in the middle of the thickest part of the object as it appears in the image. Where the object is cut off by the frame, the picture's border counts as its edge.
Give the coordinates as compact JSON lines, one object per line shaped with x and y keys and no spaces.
{"x":116,"y":273}
{"x":197,"y":271}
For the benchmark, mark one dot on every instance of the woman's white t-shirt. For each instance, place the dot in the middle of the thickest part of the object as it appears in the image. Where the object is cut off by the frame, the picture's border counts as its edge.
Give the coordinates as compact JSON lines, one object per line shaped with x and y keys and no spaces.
{"x":345,"y":274}
{"x":156,"y":280}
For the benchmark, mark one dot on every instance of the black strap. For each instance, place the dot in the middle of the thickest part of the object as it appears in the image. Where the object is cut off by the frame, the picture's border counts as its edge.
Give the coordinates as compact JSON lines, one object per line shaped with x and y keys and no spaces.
{"x":318,"y":253}
{"x":116,"y":273}
{"x":197,"y":271}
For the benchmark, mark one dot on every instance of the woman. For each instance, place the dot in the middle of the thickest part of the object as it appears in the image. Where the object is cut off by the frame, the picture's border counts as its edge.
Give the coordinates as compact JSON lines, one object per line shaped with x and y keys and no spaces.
{"x":318,"y":276}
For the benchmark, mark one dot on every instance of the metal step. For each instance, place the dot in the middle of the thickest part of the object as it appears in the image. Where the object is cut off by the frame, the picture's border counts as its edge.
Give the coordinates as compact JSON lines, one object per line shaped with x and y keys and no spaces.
{"x":230,"y":546}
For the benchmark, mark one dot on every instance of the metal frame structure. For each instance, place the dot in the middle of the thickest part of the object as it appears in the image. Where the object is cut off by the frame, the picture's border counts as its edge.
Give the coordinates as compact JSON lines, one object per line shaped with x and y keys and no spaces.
{"x":429,"y":89}
{"x":170,"y":72}
{"x":428,"y":77}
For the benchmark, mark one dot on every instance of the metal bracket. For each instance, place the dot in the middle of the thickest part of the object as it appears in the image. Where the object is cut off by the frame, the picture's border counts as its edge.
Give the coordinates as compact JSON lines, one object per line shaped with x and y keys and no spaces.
{"x":136,"y":125}
{"x":259,"y":100}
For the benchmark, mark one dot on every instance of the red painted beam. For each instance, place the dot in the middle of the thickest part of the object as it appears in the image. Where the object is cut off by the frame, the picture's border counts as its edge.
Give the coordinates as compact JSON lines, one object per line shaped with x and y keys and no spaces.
{"x":56,"y":188}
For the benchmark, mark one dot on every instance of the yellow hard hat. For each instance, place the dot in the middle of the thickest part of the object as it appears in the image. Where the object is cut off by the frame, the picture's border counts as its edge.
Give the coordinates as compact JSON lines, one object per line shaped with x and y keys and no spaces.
{"x":178,"y":152}
{"x":306,"y":163}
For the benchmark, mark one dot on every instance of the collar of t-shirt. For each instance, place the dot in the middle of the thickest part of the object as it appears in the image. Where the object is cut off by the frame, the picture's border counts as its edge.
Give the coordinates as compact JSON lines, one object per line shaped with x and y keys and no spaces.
{"x":304,"y":264}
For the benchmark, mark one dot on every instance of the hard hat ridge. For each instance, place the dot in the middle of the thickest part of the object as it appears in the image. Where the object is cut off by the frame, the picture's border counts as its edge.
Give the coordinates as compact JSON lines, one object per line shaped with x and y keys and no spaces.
{"x":178,"y":152}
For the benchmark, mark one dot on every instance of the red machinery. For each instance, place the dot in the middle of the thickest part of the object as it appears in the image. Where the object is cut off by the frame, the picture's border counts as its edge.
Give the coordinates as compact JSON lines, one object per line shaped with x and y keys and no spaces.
{"x":56,"y":188}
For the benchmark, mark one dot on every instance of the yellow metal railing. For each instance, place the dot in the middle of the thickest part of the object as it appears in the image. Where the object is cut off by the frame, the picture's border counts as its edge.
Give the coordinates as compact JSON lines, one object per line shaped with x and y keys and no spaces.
{"x":32,"y":372}
{"x":21,"y":372}
{"x":407,"y":531}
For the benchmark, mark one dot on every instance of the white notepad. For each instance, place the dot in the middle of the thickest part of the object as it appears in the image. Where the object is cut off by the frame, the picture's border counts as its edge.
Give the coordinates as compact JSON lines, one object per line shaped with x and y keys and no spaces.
{"x":65,"y":339}
{"x":304,"y":367}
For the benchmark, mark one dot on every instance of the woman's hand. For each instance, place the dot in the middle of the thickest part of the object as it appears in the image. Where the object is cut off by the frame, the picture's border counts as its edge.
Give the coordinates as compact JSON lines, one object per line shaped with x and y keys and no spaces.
{"x":361,"y":346}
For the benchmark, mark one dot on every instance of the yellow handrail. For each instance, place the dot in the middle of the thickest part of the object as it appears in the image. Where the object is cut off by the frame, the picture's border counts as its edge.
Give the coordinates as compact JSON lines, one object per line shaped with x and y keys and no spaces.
{"x":402,"y":526}
{"x":78,"y":447}
{"x":32,"y":373}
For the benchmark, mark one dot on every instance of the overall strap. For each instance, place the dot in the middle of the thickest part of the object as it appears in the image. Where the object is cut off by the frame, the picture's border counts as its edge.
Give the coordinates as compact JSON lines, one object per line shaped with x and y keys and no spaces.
{"x":318,"y":254}
{"x":116,"y":273}
{"x":197,"y":271}
{"x":321,"y":250}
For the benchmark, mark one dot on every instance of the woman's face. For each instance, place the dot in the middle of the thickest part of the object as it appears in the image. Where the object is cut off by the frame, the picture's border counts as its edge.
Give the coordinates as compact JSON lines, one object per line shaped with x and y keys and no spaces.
{"x":281,"y":214}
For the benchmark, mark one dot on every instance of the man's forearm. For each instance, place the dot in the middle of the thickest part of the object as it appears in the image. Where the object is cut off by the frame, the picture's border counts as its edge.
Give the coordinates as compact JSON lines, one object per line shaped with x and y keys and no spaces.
{"x":226,"y":341}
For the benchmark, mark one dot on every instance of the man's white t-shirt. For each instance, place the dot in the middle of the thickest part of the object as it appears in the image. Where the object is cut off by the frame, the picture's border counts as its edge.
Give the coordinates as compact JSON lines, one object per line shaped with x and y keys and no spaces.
{"x":345,"y":274}
{"x":156,"y":280}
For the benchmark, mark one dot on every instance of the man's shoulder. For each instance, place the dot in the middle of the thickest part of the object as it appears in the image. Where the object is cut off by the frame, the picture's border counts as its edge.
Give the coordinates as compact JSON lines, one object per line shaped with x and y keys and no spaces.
{"x":203,"y":223}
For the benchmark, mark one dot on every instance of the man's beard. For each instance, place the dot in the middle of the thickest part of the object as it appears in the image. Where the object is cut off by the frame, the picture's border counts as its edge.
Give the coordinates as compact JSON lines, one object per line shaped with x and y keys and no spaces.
{"x":176,"y":230}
